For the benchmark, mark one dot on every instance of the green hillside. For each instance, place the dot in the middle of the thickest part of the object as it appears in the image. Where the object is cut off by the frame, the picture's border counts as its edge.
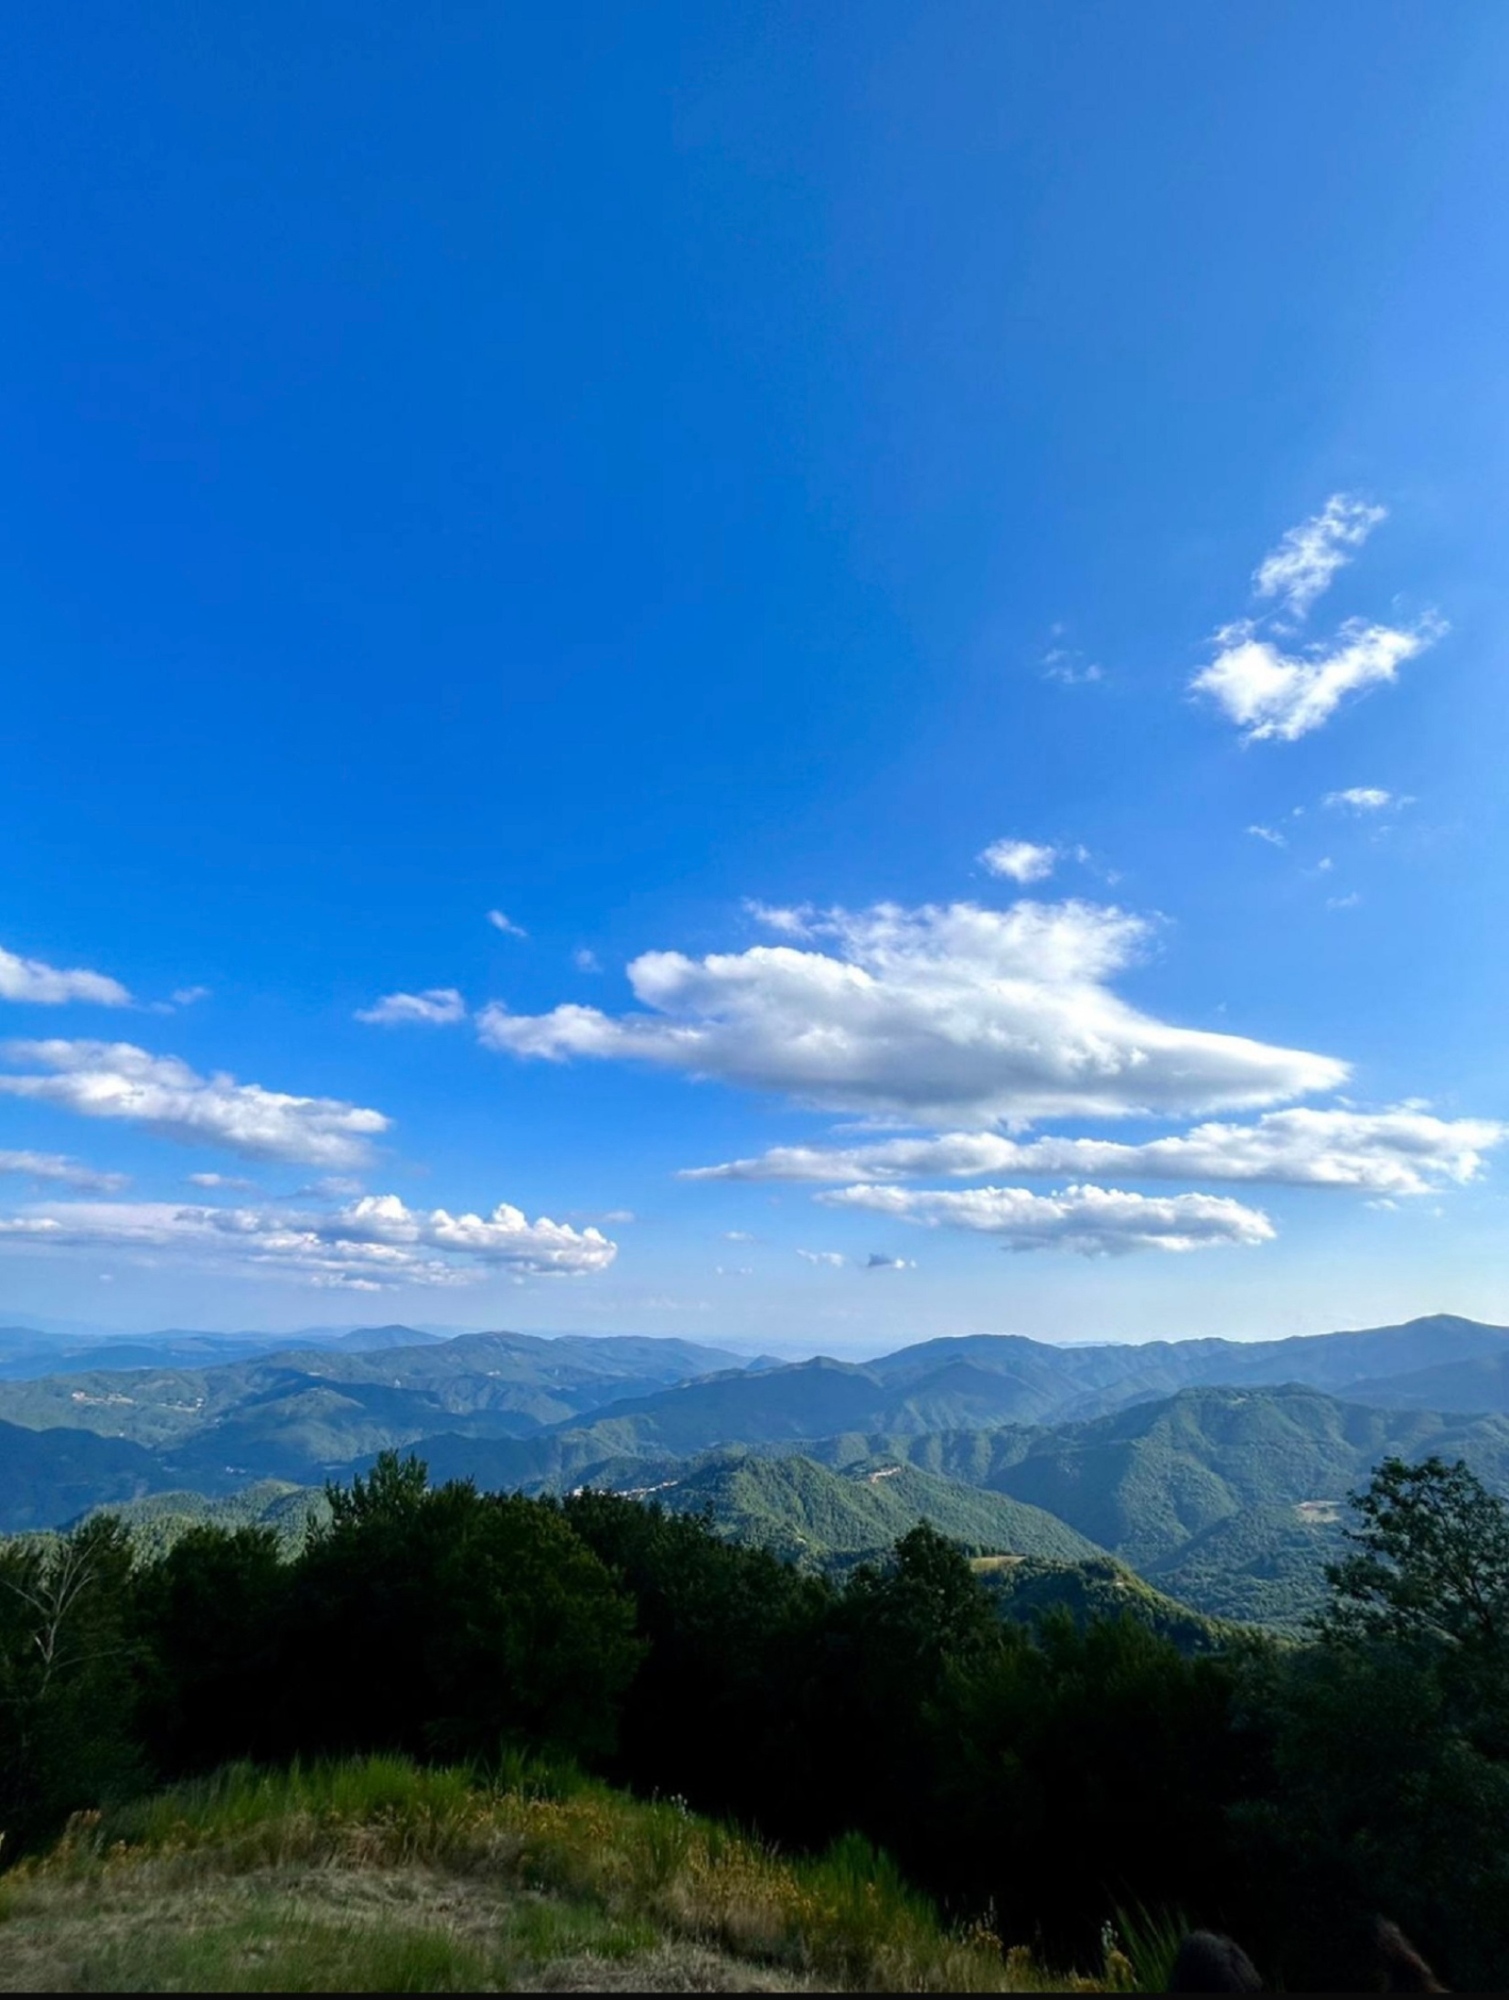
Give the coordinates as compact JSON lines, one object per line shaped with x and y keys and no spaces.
{"x":1231,"y":1499}
{"x":806,"y":1512}
{"x":156,"y":1523}
{"x":1028,"y":1587}
{"x":47,"y":1477}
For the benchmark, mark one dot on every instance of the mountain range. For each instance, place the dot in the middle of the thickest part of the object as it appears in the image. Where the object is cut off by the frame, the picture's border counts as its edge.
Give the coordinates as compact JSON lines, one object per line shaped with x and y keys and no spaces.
{"x":1217,"y":1469}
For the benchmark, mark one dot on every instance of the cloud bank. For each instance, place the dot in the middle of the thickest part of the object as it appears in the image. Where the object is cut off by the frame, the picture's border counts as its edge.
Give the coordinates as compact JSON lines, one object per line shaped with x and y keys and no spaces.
{"x":119,"y":1080}
{"x":1400,"y":1152}
{"x":369,"y":1245}
{"x":932,"y":1015}
{"x":1089,"y":1221}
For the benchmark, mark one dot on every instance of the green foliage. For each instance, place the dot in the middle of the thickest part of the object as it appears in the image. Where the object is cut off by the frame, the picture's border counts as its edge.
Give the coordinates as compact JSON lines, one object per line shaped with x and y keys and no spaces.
{"x":1094,"y":1591}
{"x":66,"y":1690}
{"x":161,"y":1520}
{"x":210,"y":1613}
{"x":1431,"y":1561}
{"x":1389,"y":1741}
{"x":446,"y":1620}
{"x":1078,"y":1770}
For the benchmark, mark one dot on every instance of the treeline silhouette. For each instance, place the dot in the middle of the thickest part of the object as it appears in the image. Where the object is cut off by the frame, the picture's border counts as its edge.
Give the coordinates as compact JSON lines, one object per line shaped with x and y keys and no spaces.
{"x":1046,"y":1779}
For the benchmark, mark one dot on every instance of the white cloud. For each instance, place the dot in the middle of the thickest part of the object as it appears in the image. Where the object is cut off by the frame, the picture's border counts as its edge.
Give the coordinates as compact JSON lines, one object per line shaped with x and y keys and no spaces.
{"x":371,"y":1244}
{"x":1090,"y":1221}
{"x":930,"y":1014}
{"x":1022,"y":860}
{"x":437,"y":1005}
{"x":1405,"y":1151}
{"x":1271,"y":834}
{"x":737,"y":1236}
{"x":58,"y":1167}
{"x":795,"y":921}
{"x":586,"y":960}
{"x":119,"y":1080}
{"x":189,"y":996}
{"x":833,"y":1258}
{"x":28,"y":979}
{"x":1276,"y":696}
{"x":501,"y":923}
{"x":1281,"y":696}
{"x":1362,"y":799}
{"x":1347,"y":902}
{"x":1307,"y":558}
{"x":232,"y":1181}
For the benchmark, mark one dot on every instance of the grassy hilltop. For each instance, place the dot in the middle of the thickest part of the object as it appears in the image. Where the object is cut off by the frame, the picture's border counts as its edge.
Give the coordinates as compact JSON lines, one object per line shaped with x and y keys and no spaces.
{"x":376,"y":1876}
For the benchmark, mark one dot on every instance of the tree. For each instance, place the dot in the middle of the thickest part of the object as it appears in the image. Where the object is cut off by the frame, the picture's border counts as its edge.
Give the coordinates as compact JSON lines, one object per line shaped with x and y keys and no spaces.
{"x":210,"y":1617}
{"x":66,"y":1693}
{"x":1431,"y":1562}
{"x":442,"y":1621}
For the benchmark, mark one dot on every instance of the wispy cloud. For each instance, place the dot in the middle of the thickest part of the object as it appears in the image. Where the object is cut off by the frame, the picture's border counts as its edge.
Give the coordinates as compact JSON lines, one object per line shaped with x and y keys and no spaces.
{"x":1271,"y":834}
{"x":928,"y":1014}
{"x":1405,"y":1151}
{"x":60,"y":1168}
{"x":505,"y":924}
{"x":586,"y":960}
{"x":1308,"y":557}
{"x":834,"y":1259}
{"x":1021,"y":860}
{"x":370,"y":1245}
{"x":877,"y":1262}
{"x":30,"y":980}
{"x":437,"y":1006}
{"x":1276,"y":695}
{"x":1364,"y":799}
{"x":1089,"y":1221}
{"x":1069,"y":667}
{"x":119,"y":1080}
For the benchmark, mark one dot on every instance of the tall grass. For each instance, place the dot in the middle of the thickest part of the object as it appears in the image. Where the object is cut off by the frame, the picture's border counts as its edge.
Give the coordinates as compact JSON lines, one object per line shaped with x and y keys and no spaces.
{"x":650,"y":1869}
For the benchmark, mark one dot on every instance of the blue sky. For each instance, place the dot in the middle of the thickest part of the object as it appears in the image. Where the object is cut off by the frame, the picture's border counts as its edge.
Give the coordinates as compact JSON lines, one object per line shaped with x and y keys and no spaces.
{"x":941,"y":570}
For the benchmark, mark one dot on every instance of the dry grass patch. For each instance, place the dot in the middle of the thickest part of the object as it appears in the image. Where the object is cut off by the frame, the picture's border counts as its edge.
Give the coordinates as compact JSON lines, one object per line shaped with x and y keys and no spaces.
{"x":375,"y":1876}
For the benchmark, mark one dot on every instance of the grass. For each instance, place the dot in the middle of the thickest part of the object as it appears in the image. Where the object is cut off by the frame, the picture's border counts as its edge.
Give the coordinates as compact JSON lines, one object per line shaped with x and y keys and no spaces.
{"x":378,"y":1876}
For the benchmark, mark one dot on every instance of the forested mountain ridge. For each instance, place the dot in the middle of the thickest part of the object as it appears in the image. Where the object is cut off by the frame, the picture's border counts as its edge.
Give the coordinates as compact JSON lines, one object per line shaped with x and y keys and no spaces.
{"x":808,"y":1513}
{"x":1224,"y":1491}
